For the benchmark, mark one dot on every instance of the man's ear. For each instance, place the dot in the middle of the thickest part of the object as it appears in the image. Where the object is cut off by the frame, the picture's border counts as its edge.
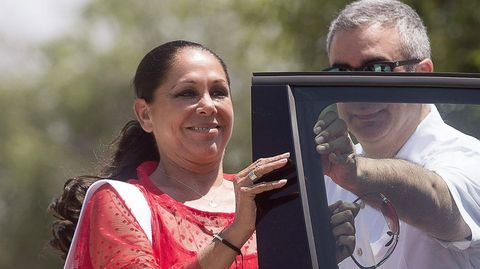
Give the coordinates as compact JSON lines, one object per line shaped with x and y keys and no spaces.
{"x":142,"y":112}
{"x":424,"y":66}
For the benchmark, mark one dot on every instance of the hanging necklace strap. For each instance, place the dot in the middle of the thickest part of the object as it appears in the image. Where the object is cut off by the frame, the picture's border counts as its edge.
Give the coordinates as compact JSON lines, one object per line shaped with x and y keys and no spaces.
{"x":211,"y":201}
{"x":185,"y":185}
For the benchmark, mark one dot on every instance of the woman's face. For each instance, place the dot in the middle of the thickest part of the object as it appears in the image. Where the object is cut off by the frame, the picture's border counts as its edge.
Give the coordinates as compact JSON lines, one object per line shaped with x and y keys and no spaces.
{"x":191,"y":114}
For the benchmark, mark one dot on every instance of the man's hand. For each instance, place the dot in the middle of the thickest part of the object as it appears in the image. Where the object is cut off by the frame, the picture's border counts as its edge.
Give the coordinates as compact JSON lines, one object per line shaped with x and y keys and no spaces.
{"x":343,"y":227}
{"x":336,"y":149}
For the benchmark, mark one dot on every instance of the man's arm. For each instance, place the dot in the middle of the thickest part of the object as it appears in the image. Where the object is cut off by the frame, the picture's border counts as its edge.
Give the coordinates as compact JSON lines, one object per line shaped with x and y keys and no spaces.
{"x":420,"y":196}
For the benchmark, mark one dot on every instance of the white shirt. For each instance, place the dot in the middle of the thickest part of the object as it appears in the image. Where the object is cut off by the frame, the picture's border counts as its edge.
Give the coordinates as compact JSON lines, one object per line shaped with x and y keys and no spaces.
{"x":456,"y":158}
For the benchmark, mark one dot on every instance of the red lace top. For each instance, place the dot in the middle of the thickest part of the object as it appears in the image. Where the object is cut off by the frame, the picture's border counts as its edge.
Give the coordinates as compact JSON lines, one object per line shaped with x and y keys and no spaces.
{"x":110,"y":237}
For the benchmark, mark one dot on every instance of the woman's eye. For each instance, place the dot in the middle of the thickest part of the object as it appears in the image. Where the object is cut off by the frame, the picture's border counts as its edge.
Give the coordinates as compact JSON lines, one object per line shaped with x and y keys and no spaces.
{"x":220,"y":92}
{"x":187,"y":93}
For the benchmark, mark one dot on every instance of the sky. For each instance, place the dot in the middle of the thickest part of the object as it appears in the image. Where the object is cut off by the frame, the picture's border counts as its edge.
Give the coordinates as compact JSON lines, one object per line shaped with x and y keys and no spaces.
{"x":26,"y":24}
{"x":36,"y":21}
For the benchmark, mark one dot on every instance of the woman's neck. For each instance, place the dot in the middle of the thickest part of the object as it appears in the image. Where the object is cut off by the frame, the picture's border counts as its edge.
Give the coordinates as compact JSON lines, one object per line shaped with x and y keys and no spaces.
{"x":201,"y":178}
{"x":204,"y":189}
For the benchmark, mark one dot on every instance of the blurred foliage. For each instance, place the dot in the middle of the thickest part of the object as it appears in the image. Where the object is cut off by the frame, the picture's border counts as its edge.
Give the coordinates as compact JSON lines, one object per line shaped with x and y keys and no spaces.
{"x":58,"y":118}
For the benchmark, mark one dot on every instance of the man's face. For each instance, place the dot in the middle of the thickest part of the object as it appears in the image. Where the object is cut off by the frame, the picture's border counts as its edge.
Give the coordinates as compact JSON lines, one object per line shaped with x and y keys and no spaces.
{"x":373,"y":123}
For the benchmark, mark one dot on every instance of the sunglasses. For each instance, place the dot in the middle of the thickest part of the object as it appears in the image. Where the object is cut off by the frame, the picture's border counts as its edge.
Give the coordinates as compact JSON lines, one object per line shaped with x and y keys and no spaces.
{"x":375,"y":66}
{"x":380,"y":201}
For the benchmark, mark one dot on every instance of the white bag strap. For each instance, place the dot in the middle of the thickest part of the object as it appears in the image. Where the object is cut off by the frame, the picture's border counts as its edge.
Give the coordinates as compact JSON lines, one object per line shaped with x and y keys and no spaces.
{"x":134,"y":200}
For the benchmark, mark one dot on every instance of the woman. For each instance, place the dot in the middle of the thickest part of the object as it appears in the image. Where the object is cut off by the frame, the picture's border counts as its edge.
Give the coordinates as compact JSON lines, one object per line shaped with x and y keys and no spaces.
{"x":173,"y":154}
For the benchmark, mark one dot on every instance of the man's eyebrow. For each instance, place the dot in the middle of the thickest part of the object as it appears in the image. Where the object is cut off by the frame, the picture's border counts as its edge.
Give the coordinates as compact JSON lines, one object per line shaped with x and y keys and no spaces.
{"x":376,"y":59}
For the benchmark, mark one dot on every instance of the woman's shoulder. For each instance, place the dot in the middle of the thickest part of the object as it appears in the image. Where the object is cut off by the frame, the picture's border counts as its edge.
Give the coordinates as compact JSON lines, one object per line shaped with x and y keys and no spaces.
{"x":114,"y":188}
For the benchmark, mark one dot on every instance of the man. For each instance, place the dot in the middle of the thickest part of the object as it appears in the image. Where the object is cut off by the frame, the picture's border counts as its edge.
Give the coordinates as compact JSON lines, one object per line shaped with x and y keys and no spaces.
{"x":426,"y":168}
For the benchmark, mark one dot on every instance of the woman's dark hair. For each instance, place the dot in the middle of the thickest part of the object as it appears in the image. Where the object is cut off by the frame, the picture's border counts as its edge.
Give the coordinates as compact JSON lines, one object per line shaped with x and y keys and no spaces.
{"x":132,"y":147}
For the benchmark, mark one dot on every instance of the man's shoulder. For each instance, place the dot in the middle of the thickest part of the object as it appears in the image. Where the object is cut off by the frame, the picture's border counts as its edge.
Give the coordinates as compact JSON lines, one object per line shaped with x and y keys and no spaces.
{"x":432,"y":137}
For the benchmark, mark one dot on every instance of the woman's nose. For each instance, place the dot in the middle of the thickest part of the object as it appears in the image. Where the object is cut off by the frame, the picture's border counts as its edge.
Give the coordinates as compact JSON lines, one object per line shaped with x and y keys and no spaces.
{"x":206,"y":105}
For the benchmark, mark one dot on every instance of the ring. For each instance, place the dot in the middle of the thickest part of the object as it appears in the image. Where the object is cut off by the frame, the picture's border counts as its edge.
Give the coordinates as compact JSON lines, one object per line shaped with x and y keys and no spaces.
{"x":252,"y":175}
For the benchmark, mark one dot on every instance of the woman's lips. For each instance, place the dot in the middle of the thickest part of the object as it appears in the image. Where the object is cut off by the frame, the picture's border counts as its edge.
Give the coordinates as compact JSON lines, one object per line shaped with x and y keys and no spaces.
{"x":205,"y":129}
{"x":202,"y":129}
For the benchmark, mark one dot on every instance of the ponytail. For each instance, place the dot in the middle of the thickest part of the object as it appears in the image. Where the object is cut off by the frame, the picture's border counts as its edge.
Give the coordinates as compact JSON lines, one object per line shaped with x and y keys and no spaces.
{"x":66,"y":210}
{"x":132,"y":147}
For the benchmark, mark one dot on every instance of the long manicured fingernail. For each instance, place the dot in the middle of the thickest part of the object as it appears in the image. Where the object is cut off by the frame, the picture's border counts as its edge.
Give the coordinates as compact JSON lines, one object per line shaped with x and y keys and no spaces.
{"x":282,"y":181}
{"x":286,"y":154}
{"x":317,"y":130}
{"x":319,"y":139}
{"x":321,"y":149}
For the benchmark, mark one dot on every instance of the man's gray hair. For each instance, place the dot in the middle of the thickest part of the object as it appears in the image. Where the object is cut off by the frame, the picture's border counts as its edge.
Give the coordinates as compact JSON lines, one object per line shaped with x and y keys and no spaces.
{"x":414,"y":42}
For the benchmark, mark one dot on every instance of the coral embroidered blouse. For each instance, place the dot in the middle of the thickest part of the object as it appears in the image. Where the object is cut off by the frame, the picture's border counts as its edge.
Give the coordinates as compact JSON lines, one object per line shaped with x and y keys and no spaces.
{"x":110,"y":236}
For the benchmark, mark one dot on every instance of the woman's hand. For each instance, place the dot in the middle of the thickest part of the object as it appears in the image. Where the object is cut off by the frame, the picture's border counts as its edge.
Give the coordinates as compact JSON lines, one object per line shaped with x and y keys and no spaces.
{"x":220,"y":255}
{"x":343,"y":227}
{"x":246,"y":189}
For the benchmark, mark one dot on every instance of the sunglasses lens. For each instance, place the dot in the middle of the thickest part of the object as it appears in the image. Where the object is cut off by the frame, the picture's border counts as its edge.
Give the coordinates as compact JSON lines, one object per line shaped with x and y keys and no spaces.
{"x":377,"y":67}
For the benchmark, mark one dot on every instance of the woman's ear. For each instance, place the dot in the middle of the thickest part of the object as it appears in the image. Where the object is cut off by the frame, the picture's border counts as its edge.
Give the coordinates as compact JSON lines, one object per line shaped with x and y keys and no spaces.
{"x":142,"y":112}
{"x":424,"y":66}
